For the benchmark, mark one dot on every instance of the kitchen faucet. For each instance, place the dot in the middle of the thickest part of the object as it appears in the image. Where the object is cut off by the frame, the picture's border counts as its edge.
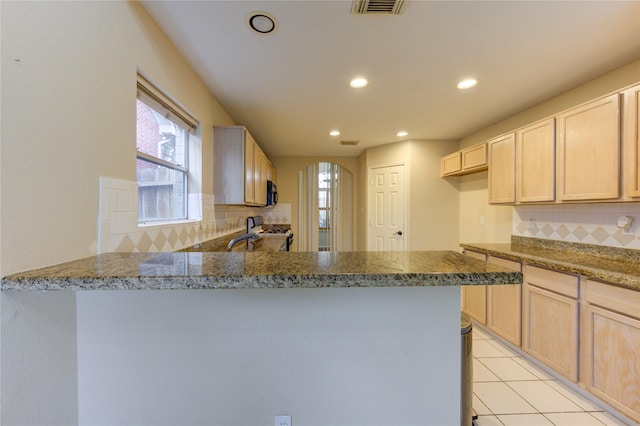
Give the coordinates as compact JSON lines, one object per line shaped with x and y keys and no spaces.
{"x":250,"y":236}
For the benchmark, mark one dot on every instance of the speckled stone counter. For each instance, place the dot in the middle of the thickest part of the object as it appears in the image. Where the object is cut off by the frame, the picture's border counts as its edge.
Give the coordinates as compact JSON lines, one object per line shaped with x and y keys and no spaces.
{"x":268,"y":242}
{"x":193,"y":270}
{"x":608,"y":264}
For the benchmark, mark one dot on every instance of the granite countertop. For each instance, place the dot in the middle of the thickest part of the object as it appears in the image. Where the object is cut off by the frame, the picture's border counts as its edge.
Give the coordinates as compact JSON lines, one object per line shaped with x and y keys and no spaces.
{"x":267,"y":242}
{"x":616,"y":266}
{"x":210,"y":270}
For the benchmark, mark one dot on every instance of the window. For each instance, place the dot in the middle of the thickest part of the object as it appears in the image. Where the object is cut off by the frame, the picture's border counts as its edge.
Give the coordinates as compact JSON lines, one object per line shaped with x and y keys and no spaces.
{"x":324,"y":206}
{"x":162,"y":141}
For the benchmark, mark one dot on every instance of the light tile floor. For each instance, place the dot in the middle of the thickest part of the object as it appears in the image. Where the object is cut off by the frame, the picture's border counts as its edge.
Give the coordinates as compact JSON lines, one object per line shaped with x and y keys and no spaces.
{"x":510,"y":390}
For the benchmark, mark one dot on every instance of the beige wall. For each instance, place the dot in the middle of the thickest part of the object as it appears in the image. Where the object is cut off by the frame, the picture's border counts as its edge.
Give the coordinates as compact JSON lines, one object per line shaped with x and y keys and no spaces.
{"x":361,"y":223}
{"x":473,"y":188}
{"x":432,"y":201}
{"x":68,"y":117}
{"x":287,"y":169}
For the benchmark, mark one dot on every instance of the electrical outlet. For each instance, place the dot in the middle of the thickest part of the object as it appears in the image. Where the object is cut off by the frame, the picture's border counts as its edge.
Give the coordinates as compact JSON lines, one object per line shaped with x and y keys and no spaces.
{"x":283,"y":421}
{"x":481,"y":220}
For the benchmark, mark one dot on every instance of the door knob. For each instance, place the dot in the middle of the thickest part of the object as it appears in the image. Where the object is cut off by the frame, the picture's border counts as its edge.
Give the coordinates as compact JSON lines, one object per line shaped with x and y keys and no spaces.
{"x":399,"y":233}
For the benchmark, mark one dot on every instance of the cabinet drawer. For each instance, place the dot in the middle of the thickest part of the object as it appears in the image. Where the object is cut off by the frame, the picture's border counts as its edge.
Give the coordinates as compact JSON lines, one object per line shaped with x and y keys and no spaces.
{"x":557,"y":282}
{"x":616,"y":298}
{"x":510,"y":264}
{"x":475,"y":254}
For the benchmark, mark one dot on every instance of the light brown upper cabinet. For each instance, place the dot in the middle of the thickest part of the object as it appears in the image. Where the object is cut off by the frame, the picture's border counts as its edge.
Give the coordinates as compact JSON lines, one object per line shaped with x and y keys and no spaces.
{"x":260,"y":164}
{"x":239,"y":168}
{"x":631,"y":152}
{"x":474,"y":158}
{"x":502,"y":171}
{"x":271,"y":172}
{"x":451,"y":164}
{"x":536,"y":162}
{"x":589,"y":151}
{"x":469,"y":160}
{"x":249,"y":169}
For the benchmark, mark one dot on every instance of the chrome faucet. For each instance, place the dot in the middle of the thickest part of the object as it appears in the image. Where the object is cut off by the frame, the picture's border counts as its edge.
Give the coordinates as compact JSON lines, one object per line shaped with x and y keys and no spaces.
{"x":251,"y":237}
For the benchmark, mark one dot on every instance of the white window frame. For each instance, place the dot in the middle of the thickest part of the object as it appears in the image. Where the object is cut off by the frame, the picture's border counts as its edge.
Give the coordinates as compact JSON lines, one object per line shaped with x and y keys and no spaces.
{"x":149,"y":94}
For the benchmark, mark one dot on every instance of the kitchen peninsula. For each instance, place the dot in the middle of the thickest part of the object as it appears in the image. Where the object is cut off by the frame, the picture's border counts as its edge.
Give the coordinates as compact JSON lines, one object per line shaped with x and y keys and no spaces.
{"x":372,"y":338}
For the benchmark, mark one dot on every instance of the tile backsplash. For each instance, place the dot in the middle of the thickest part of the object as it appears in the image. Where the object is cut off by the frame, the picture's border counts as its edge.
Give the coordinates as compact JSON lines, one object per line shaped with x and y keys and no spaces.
{"x":118,"y":229}
{"x":579,"y":223}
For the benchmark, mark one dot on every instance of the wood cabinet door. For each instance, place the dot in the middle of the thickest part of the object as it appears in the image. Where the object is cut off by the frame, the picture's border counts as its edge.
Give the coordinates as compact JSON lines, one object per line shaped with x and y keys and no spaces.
{"x":611,"y":346}
{"x":260,"y":177}
{"x":249,"y":168}
{"x":504,"y":305}
{"x":502,"y":171}
{"x":271,"y":175}
{"x":550,"y":323}
{"x":632,"y":141}
{"x":474,"y":157}
{"x":474,"y":302}
{"x":450,"y":164}
{"x":474,"y":297}
{"x":536,"y":162}
{"x":589,"y":151}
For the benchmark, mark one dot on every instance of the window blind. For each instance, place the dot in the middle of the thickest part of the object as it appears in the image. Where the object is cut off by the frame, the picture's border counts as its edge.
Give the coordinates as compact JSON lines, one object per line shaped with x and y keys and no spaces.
{"x":152,"y":96}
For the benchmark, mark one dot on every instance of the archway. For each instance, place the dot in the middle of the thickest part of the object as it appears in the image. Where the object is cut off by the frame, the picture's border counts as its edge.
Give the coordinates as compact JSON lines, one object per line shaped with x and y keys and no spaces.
{"x":325,"y":208}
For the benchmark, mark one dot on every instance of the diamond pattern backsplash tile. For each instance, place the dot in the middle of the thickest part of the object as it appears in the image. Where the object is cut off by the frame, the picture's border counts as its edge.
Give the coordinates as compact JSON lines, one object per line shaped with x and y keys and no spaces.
{"x":579,"y":232}
{"x":583,"y":223}
{"x":563,"y":231}
{"x":119,"y":230}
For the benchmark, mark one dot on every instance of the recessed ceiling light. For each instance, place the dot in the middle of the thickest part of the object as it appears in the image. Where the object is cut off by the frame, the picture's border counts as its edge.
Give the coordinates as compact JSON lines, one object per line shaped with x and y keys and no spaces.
{"x":262,"y":22}
{"x":358,"y":82}
{"x":334,"y":133}
{"x":402,"y":133}
{"x":468,"y":83}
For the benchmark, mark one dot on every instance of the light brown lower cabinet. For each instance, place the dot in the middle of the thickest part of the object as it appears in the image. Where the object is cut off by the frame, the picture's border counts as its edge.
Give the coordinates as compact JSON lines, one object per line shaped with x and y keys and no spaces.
{"x":551,"y":318}
{"x":611,"y":346}
{"x":504,"y":304}
{"x":589,"y":334}
{"x":474,"y":297}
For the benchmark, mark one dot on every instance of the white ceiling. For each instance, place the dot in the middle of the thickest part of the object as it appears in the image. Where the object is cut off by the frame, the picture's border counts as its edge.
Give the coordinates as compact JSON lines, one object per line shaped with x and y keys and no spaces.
{"x":292,"y":87}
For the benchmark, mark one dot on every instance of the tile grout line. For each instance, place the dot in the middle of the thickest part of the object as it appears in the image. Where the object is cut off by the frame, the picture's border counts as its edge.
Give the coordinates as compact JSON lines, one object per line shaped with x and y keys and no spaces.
{"x":511,"y":356}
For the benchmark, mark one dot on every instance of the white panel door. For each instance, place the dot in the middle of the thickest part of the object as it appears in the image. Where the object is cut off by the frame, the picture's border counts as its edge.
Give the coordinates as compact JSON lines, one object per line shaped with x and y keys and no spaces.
{"x":387,"y":195}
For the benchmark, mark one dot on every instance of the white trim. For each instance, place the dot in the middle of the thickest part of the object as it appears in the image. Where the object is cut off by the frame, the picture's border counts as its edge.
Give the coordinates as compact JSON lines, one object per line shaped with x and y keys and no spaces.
{"x":151,"y":95}
{"x":168,"y":222}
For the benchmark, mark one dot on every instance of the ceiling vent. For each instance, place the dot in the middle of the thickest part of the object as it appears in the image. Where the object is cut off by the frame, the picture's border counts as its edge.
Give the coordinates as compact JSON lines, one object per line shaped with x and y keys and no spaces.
{"x":350,"y":143}
{"x":388,"y":7}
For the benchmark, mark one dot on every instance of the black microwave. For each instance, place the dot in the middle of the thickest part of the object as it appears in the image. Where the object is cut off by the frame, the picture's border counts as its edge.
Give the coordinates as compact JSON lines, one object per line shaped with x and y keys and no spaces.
{"x":272,"y":194}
